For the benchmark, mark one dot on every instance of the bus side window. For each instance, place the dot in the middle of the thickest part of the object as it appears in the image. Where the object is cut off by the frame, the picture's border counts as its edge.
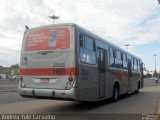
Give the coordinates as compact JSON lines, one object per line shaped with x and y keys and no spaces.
{"x":124,"y":61}
{"x":87,"y":50}
{"x":132,"y":61}
{"x":135,"y":65}
{"x":139,"y":66}
{"x":88,"y":43}
{"x":111,"y":57}
{"x":118,"y":59}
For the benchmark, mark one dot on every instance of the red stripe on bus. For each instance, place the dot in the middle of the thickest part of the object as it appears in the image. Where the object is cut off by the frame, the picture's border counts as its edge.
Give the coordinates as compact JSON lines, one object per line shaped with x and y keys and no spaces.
{"x":49,"y":71}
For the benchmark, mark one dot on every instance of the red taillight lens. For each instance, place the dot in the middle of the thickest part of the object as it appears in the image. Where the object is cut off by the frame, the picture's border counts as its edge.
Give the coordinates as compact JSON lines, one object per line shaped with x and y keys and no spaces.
{"x":70,"y":79}
{"x":21,"y":78}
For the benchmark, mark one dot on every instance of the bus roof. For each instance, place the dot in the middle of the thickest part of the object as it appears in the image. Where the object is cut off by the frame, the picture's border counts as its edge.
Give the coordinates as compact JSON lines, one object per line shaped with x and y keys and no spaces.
{"x":51,"y":25}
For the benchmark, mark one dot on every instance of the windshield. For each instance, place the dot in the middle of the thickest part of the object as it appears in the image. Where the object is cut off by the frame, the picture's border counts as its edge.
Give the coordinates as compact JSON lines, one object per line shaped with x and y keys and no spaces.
{"x":47,"y":39}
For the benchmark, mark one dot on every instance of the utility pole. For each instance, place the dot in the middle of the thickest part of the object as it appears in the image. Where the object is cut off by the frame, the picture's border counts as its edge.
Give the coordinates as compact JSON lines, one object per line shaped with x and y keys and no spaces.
{"x":156,"y":80}
{"x":155,"y":62}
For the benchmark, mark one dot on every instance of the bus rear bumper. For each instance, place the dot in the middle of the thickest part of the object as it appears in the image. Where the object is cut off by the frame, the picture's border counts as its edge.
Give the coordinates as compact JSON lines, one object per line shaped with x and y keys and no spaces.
{"x":51,"y":93}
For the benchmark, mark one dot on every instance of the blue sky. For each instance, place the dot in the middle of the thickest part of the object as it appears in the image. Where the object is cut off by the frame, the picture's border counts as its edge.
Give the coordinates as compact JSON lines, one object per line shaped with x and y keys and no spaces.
{"x":121,"y":22}
{"x":147,"y":52}
{"x":153,"y":16}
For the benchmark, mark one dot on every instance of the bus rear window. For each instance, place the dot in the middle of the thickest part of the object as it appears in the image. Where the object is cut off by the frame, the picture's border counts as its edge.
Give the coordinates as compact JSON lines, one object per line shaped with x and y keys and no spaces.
{"x":47,"y":39}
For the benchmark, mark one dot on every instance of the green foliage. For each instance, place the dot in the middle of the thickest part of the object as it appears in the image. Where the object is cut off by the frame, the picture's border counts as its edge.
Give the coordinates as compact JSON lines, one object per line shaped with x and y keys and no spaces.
{"x":148,"y":75}
{"x":155,"y":73}
{"x":15,"y":66}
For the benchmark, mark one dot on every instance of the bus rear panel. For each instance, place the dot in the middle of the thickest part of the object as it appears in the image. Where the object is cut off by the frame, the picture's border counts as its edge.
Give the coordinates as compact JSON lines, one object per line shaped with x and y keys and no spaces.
{"x":47,"y":65}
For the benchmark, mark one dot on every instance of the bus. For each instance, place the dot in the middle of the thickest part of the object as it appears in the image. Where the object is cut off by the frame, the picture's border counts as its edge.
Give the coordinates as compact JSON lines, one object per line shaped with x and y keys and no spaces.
{"x":68,"y":62}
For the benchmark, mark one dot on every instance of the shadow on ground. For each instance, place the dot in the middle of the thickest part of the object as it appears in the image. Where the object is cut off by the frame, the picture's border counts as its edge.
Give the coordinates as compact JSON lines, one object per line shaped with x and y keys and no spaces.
{"x":70,"y":107}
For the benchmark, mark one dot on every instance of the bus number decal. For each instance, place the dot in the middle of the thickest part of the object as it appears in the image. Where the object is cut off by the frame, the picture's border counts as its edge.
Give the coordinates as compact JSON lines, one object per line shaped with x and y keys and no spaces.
{"x":85,"y":74}
{"x":59,"y":71}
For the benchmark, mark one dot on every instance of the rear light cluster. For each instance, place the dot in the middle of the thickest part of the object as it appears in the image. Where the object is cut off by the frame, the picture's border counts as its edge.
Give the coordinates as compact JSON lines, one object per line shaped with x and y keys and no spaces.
{"x":21,"y":78}
{"x":70,"y":79}
{"x":21,"y":82}
{"x":70,"y":82}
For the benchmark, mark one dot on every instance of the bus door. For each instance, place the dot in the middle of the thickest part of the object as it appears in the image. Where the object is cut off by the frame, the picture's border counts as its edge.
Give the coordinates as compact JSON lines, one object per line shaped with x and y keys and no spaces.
{"x":129,"y":74}
{"x":101,"y":69}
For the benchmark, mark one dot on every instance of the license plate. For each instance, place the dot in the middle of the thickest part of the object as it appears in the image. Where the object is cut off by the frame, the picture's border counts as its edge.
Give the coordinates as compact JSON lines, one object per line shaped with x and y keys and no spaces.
{"x":44,"y":80}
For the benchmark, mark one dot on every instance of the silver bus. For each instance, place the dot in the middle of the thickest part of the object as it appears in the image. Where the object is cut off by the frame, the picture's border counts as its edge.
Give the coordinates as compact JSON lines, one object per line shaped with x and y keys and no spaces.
{"x":68,"y":62}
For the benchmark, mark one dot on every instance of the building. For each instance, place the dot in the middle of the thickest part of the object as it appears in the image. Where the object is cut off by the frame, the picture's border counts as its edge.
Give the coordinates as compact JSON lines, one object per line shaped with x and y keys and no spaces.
{"x":3,"y":76}
{"x":4,"y":72}
{"x":8,"y":72}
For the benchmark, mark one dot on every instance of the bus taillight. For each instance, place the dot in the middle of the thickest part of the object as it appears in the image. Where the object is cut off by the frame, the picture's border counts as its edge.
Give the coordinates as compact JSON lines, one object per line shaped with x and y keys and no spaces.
{"x":70,"y":83}
{"x":70,"y":79}
{"x":21,"y":78}
{"x":21,"y":82}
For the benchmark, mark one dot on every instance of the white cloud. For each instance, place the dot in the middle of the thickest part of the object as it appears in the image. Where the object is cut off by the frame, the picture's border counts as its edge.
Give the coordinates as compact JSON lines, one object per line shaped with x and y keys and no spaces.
{"x":121,"y":21}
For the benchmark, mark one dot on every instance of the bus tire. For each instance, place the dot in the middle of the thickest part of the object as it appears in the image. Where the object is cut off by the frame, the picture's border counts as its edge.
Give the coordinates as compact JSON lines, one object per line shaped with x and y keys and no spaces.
{"x":115,"y":96}
{"x":137,"y":91}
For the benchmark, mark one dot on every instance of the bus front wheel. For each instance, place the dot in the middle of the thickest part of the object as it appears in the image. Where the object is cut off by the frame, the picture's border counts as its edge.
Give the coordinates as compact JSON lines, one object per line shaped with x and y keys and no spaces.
{"x":115,"y":93}
{"x":137,"y":91}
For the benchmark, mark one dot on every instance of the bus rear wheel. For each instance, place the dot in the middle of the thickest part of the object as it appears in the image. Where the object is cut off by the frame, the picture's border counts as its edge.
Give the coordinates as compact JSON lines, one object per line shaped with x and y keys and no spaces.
{"x":115,"y":96}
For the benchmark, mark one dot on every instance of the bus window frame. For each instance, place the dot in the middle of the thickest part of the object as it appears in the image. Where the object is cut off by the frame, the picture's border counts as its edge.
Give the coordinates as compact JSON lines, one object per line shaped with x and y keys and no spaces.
{"x":111,"y":57}
{"x":124,"y":61}
{"x":83,"y":47}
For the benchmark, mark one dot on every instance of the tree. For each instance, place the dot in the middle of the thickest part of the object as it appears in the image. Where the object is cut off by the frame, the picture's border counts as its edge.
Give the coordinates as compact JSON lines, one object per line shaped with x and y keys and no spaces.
{"x":159,"y":74}
{"x":147,"y":75}
{"x":15,"y":66}
{"x":14,"y":70}
{"x":155,"y":74}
